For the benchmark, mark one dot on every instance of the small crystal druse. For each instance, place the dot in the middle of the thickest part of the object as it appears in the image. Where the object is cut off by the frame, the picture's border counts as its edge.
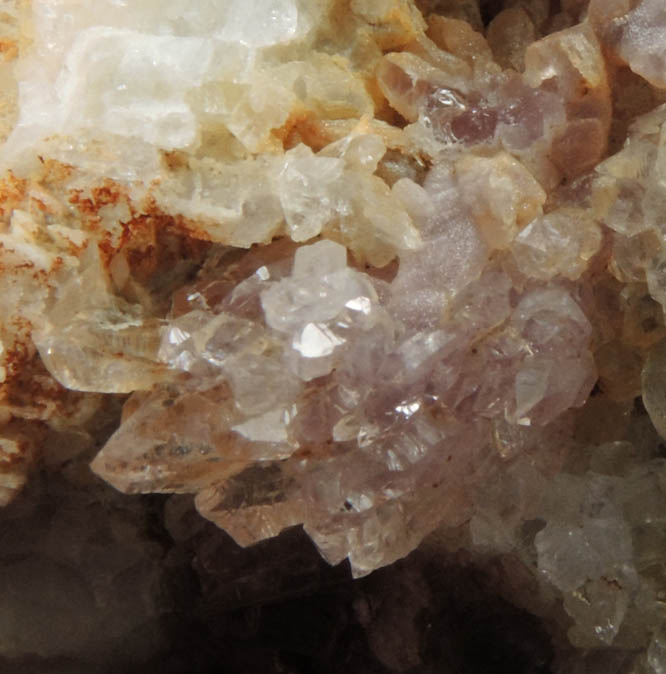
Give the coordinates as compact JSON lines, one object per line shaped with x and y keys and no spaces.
{"x":387,"y":269}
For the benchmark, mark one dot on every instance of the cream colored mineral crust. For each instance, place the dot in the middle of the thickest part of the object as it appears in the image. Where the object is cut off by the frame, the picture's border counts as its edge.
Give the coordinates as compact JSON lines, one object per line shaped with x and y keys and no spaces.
{"x":385,"y":269}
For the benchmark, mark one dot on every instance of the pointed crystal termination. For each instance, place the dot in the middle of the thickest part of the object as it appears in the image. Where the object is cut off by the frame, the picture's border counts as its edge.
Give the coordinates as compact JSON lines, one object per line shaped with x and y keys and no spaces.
{"x":324,"y":384}
{"x":375,"y":268}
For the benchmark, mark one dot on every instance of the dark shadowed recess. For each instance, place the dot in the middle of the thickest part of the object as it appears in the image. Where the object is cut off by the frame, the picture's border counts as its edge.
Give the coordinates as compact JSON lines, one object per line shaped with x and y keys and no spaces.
{"x":491,"y":8}
{"x":92,"y":581}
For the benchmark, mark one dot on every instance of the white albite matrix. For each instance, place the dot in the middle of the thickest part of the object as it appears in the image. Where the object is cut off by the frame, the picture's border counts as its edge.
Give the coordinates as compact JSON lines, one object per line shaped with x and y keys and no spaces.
{"x":367,"y":267}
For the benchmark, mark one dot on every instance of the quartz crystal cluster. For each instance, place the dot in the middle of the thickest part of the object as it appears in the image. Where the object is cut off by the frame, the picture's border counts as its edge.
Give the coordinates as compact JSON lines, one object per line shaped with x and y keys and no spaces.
{"x":391,"y":270}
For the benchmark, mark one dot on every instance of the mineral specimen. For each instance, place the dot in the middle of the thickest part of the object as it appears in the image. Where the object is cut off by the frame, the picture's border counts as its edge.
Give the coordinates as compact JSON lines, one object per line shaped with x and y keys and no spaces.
{"x":384,"y":269}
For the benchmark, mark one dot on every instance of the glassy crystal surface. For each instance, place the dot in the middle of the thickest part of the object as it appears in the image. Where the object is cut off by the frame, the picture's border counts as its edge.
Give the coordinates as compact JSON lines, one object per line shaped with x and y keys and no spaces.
{"x":392,"y":271}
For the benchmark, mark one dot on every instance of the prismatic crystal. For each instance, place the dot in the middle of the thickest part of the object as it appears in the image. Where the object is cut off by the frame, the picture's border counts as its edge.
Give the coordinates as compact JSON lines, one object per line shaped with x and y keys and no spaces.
{"x":385,"y":269}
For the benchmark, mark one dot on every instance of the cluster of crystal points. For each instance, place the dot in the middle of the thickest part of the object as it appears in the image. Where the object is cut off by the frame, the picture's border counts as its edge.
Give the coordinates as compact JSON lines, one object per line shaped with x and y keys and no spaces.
{"x":360,"y":265}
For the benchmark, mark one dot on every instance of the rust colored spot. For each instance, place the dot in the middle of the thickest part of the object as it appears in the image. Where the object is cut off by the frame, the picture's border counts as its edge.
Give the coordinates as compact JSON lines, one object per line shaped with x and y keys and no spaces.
{"x":30,"y":391}
{"x":107,"y":194}
{"x":175,"y":160}
{"x":303,"y":126}
{"x":8,"y":50}
{"x":12,"y":193}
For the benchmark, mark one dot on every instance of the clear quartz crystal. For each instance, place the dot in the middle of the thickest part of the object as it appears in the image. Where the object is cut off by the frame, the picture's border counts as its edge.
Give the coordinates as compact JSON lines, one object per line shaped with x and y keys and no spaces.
{"x":384,"y":269}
